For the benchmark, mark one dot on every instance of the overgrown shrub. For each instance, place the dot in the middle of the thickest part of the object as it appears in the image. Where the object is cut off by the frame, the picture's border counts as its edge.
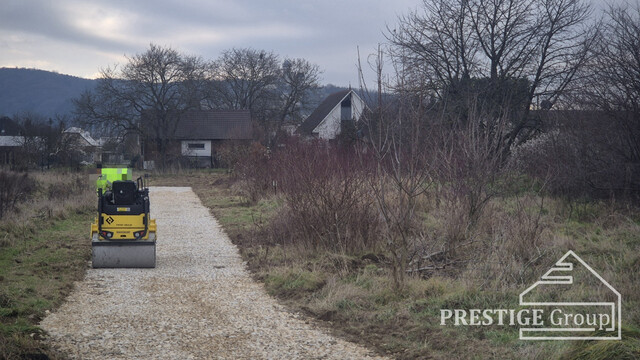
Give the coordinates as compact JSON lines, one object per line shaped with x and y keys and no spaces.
{"x":582,"y":155}
{"x":255,"y":172}
{"x":65,"y":189}
{"x":231,"y":152}
{"x":327,"y":202}
{"x":326,"y":191}
{"x":14,"y":188}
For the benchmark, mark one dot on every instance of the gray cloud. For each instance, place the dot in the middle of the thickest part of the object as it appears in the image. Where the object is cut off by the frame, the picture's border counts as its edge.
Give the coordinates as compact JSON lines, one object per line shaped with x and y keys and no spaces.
{"x":98,"y":33}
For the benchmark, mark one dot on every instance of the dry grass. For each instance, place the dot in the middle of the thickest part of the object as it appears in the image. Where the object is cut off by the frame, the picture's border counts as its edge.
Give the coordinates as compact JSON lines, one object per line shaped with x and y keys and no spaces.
{"x":517,"y":238}
{"x":57,"y":194}
{"x":44,"y":248}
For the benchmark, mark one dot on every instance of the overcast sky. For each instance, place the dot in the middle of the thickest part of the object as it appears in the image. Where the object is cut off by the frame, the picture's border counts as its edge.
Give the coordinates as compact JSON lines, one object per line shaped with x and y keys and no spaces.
{"x":80,"y":37}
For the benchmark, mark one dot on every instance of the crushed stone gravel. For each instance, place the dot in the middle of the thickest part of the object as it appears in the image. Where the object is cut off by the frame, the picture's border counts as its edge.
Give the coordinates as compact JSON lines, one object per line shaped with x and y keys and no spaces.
{"x":198,"y":303}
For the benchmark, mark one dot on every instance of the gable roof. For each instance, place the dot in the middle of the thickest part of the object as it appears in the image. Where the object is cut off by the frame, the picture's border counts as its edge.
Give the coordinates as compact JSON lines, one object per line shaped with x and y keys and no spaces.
{"x":82,"y":134}
{"x":9,"y":127}
{"x":322,"y":111}
{"x":215,"y":125}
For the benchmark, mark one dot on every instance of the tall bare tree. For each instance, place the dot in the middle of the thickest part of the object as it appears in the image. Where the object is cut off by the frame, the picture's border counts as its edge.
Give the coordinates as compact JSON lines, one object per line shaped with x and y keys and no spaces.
{"x":244,"y":79}
{"x":401,"y":170}
{"x":612,"y":85}
{"x":435,"y":45}
{"x":299,"y":79}
{"x":43,"y":143}
{"x":147,"y":95}
{"x":255,"y":80}
{"x":493,"y":55}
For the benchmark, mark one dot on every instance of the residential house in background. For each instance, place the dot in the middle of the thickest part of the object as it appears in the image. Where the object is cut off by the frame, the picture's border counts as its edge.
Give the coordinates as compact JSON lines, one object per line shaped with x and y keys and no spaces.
{"x":120,"y":150}
{"x":201,"y":133}
{"x":80,"y":145}
{"x":336,"y":112}
{"x":11,"y":140}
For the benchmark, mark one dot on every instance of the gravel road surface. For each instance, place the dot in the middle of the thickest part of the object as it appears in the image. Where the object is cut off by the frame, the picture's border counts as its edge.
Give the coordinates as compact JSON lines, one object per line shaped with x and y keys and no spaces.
{"x":198,"y":303}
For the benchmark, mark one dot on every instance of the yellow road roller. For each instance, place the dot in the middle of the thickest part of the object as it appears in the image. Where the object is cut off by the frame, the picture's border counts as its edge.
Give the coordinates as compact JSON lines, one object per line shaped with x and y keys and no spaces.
{"x":123,"y":234}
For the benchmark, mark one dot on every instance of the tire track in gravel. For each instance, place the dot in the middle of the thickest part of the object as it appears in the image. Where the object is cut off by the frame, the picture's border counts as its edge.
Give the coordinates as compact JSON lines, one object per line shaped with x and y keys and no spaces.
{"x":198,"y":303}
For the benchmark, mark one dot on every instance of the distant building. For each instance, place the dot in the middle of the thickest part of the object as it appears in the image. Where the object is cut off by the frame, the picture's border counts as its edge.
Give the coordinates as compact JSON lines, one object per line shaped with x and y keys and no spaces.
{"x":80,"y":143}
{"x":330,"y":117}
{"x":11,"y":140}
{"x":200,"y":133}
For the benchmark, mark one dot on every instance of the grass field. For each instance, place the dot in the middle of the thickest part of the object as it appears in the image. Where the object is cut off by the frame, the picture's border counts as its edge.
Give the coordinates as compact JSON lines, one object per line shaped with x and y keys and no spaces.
{"x":44,"y":248}
{"x":353,"y":294}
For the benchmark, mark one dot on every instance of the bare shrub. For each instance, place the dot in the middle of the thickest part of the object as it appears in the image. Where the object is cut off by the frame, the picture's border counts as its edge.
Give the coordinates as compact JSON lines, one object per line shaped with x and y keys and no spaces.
{"x":328,"y":203}
{"x":468,"y":167}
{"x":579,"y":157}
{"x":55,"y":195}
{"x":254,"y":172}
{"x":14,"y":188}
{"x":397,"y":183}
{"x":231,"y":152}
{"x":66,"y":188}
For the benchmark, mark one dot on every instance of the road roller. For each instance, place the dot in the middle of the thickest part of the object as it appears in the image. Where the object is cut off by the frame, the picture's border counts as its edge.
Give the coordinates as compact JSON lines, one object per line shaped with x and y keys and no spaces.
{"x":123,"y":235}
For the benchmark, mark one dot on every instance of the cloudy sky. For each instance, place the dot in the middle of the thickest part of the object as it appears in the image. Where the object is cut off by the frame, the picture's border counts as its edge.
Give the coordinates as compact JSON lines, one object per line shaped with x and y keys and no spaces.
{"x":80,"y":37}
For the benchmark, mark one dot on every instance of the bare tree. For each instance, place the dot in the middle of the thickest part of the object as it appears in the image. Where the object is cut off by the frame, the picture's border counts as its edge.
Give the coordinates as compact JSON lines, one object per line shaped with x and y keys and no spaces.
{"x":615,"y":82}
{"x":43,"y":142}
{"x":244,"y":79}
{"x":436,"y":45}
{"x":254,"y":80}
{"x":299,"y":79}
{"x":524,"y":49}
{"x":612,"y":85}
{"x":146,"y":96}
{"x":401,"y":170}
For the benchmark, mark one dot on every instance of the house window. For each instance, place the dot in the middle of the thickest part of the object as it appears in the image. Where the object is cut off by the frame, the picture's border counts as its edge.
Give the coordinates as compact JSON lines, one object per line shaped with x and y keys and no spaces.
{"x":345,"y":109}
{"x":195,"y":146}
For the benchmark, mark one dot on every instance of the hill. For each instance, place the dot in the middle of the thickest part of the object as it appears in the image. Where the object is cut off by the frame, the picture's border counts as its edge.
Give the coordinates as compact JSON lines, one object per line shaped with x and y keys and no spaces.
{"x":37,"y":91}
{"x":49,"y":94}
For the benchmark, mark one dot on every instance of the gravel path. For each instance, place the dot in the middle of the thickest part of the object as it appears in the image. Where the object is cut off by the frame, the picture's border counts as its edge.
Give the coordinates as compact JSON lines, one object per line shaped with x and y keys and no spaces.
{"x":198,"y":303}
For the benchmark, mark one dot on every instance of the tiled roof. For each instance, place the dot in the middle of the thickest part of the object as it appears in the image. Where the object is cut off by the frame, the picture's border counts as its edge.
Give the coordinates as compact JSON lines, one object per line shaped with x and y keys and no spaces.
{"x":215,"y":125}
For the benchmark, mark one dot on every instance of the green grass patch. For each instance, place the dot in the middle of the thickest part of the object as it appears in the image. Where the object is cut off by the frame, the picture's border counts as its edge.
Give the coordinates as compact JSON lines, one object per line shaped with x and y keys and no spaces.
{"x":36,"y":274}
{"x":626,"y":349}
{"x":288,"y":282}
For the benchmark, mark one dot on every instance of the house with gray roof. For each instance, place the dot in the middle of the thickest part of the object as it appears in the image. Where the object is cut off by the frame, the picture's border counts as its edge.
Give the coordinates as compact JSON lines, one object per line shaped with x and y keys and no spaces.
{"x":201,"y":132}
{"x":328,"y":119}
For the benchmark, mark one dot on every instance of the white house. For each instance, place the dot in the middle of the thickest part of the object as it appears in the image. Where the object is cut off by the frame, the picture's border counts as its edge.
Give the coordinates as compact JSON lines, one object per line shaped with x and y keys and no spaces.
{"x":83,"y":138}
{"x":326,"y":120}
{"x":81,"y":142}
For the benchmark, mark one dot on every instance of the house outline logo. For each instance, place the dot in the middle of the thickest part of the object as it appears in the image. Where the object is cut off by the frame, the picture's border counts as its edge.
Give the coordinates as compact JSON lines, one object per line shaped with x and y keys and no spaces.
{"x":562,"y":265}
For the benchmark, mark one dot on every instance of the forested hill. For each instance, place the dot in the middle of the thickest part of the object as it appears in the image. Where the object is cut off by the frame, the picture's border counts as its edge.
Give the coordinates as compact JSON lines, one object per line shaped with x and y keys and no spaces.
{"x":48,"y":94}
{"x":40,"y":92}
